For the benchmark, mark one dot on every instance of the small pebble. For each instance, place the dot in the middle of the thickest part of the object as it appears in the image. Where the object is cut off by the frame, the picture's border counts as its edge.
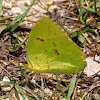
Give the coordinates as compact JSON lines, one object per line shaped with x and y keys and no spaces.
{"x":53,"y":7}
{"x":7,"y":5}
{"x":6,"y":87}
{"x":30,"y":18}
{"x":59,"y":1}
{"x":13,"y":4}
{"x":47,"y":91}
{"x":39,"y":9}
{"x":10,"y":13}
{"x":27,"y":3}
{"x":92,"y":67}
{"x":16,"y":10}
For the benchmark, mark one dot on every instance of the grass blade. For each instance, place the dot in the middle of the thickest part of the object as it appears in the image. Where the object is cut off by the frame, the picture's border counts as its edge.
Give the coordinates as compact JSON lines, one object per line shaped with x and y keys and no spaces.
{"x":85,"y":17}
{"x":22,"y":17}
{"x":7,"y":82}
{"x":27,"y":89}
{"x":54,"y":92}
{"x":6,"y":19}
{"x":81,"y":1}
{"x":1,"y":7}
{"x":3,"y":27}
{"x":16,"y":41}
{"x":70,"y":32}
{"x":15,"y":23}
{"x":95,"y":6}
{"x":4,"y":97}
{"x":96,"y":25}
{"x":80,"y":17}
{"x":29,"y":98}
{"x":91,"y":10}
{"x":42,"y":85}
{"x":61,"y":88}
{"x":71,"y":87}
{"x":18,"y":46}
{"x":19,"y":91}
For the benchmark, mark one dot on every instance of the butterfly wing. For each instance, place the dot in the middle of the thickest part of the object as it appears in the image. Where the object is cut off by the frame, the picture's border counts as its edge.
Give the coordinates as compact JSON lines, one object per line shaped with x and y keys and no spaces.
{"x":50,"y":50}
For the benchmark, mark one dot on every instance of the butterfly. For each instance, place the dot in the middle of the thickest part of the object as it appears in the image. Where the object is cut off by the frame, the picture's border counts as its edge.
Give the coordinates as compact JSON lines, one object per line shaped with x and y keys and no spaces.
{"x":50,"y":50}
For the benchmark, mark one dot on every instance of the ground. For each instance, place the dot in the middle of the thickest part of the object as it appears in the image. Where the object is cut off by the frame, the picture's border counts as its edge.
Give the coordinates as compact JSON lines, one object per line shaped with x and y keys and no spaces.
{"x":13,"y":54}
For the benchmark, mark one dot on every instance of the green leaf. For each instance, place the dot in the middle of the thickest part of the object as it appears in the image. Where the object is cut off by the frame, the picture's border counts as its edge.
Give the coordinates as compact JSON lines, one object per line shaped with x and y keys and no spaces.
{"x":50,"y":50}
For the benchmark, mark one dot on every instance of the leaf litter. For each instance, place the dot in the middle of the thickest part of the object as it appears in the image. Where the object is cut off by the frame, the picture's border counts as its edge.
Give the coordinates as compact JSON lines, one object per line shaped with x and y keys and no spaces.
{"x":67,"y":13}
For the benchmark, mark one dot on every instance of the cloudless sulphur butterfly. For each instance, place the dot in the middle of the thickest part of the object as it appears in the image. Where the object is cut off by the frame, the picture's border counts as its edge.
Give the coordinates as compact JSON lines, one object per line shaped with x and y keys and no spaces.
{"x":50,"y":50}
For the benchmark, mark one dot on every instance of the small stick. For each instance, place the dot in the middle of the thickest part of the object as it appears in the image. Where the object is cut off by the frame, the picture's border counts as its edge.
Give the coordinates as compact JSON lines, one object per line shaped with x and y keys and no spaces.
{"x":86,"y":38}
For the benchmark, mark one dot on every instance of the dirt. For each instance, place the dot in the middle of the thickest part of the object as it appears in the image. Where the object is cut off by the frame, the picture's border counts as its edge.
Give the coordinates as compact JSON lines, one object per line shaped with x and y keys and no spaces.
{"x":10,"y":61}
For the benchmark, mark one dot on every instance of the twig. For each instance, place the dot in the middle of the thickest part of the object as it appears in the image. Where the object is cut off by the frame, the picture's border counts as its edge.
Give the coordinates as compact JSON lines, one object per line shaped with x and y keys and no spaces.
{"x":86,"y":38}
{"x":5,"y":69}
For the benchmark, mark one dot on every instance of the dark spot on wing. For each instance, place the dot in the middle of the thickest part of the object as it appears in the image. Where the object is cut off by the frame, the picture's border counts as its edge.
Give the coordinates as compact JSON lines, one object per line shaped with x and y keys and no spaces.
{"x":40,"y":39}
{"x":67,"y":37}
{"x":39,"y":67}
{"x":54,"y":44}
{"x":36,"y":58}
{"x":48,"y":67}
{"x":56,"y":52}
{"x":73,"y":52}
{"x":45,"y":50}
{"x":47,"y":61}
